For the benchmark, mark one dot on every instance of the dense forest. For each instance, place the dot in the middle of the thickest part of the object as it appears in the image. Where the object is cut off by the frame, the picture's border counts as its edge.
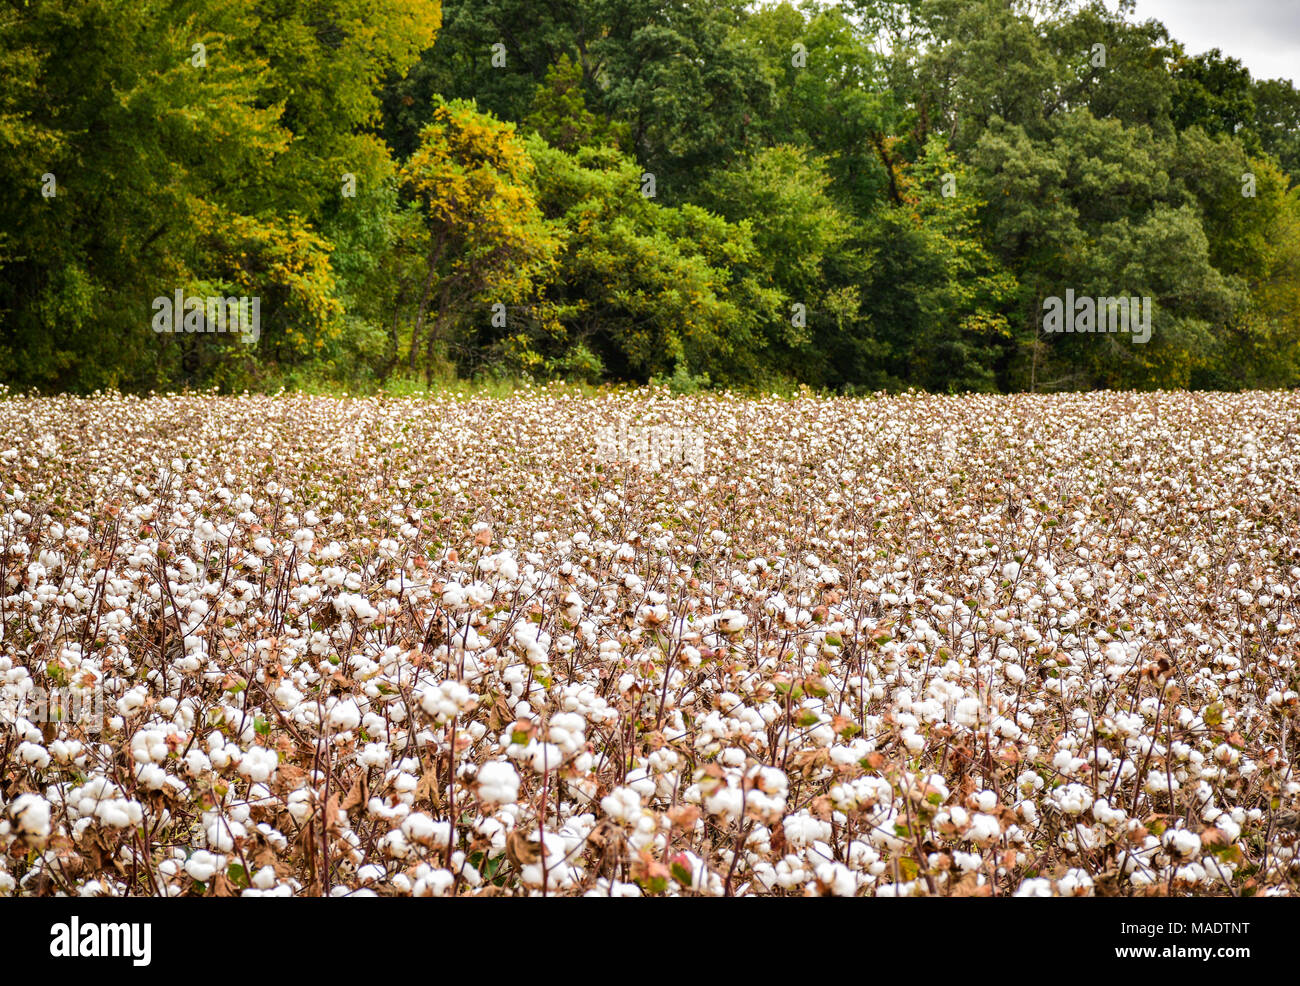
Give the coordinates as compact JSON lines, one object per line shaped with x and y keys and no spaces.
{"x":859,"y":196}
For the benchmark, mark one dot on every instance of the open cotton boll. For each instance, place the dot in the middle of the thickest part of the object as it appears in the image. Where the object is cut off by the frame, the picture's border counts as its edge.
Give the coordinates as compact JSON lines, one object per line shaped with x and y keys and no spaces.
{"x":1182,"y":842}
{"x":344,"y":715}
{"x":34,"y":755}
{"x":834,"y":880}
{"x":498,"y":782}
{"x":984,"y":829}
{"x":448,"y":700}
{"x":31,"y":815}
{"x":419,"y":827}
{"x":259,"y":764}
{"x":623,"y":805}
{"x":203,"y":865}
{"x":1035,"y":887}
{"x":802,"y":829}
{"x":732,"y":621}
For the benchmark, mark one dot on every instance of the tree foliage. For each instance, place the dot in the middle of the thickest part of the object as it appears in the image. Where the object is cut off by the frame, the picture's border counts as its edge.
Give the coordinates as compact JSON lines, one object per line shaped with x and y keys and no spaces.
{"x":858,"y":195}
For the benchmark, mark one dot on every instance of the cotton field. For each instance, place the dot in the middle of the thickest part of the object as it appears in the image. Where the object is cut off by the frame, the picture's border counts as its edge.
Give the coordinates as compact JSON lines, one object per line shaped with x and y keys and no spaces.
{"x":640,"y":644}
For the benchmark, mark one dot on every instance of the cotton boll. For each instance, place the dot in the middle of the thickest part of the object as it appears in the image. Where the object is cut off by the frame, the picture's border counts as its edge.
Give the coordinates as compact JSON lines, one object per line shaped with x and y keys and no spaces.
{"x":498,"y":783}
{"x":419,"y":827}
{"x":150,"y":776}
{"x":197,"y":763}
{"x":344,"y":715}
{"x":1182,"y":842}
{"x":34,"y":755}
{"x":31,"y":815}
{"x":985,"y":800}
{"x":623,"y":805}
{"x":984,"y":829}
{"x":833,"y":880}
{"x":433,"y":882}
{"x":259,"y":764}
{"x":803,"y":829}
{"x":1075,"y":883}
{"x":203,"y":866}
{"x":374,"y":755}
{"x":732,"y":621}
{"x":1035,"y":887}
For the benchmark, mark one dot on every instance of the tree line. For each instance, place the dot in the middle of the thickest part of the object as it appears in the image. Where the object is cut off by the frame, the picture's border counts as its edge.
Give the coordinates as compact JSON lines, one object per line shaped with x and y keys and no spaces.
{"x":858,"y":196}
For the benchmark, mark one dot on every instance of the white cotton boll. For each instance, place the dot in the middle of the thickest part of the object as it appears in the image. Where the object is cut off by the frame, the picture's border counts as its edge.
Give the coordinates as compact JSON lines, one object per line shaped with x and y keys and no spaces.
{"x":197,"y":763}
{"x":371,"y":873}
{"x":557,"y":872}
{"x":803,"y":829}
{"x":1225,"y":824}
{"x":66,"y":751}
{"x":732,"y":621}
{"x":119,"y":813}
{"x":344,"y":715}
{"x":221,"y":833}
{"x":419,"y":827}
{"x":433,"y":883}
{"x":264,"y":879}
{"x":623,"y":805}
{"x":984,"y":829}
{"x":149,"y":746}
{"x":286,"y":696}
{"x":150,"y":776}
{"x":394,"y":844}
{"x":1182,"y":842}
{"x":374,"y":755}
{"x":967,"y":862}
{"x":967,"y":712}
{"x":203,"y":866}
{"x":1035,"y":887}
{"x":31,"y":815}
{"x":573,"y":607}
{"x":732,"y":757}
{"x":1073,"y":799}
{"x":507,"y":567}
{"x":34,"y":754}
{"x":835,"y":880}
{"x":259,"y":764}
{"x":567,"y":731}
{"x":543,"y":757}
{"x":1075,"y":883}
{"x":1029,"y":781}
{"x":498,"y":783}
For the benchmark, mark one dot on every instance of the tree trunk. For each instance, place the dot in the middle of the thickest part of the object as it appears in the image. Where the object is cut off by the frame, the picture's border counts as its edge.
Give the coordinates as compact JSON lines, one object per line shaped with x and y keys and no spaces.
{"x":424,"y":297}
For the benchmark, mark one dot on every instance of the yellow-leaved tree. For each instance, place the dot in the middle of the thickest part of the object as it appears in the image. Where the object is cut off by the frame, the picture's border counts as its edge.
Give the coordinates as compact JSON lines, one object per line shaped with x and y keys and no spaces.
{"x":488,"y":242}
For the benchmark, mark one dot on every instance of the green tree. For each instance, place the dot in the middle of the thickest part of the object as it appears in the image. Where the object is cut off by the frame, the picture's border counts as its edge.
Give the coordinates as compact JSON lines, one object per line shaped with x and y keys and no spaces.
{"x":487,"y":241}
{"x":644,"y":288}
{"x":804,"y":253}
{"x":169,"y":133}
{"x":560,"y":115}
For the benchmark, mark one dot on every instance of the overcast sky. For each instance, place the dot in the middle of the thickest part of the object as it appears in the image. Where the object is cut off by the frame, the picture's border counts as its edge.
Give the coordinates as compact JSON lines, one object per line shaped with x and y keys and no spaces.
{"x":1263,"y":34}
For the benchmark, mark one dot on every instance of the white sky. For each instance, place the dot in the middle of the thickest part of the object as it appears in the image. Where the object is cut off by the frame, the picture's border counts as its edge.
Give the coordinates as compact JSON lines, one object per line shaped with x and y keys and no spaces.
{"x":1264,"y":35}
